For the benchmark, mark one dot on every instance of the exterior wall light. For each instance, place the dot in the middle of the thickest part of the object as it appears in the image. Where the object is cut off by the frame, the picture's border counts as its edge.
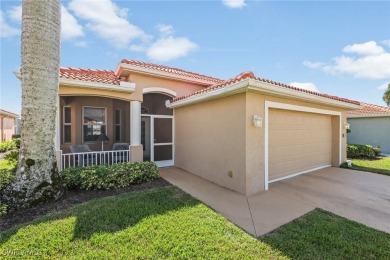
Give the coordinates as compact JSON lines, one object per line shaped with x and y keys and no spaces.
{"x":346,"y":125}
{"x":257,"y":121}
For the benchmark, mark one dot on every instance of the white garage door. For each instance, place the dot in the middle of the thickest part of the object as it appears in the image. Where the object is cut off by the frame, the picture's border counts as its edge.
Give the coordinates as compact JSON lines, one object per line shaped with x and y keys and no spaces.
{"x":298,"y":142}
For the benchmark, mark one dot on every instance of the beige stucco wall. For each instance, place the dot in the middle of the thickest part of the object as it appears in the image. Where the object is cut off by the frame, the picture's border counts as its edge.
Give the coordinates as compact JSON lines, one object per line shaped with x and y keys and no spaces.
{"x":374,"y":131}
{"x":142,"y":82}
{"x":7,"y":128}
{"x":66,"y":90}
{"x":217,"y":136}
{"x":209,"y":141}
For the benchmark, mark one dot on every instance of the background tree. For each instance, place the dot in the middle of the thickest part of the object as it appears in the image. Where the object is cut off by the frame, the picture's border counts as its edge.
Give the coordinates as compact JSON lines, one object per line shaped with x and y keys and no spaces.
{"x":386,"y":95}
{"x":37,"y":179}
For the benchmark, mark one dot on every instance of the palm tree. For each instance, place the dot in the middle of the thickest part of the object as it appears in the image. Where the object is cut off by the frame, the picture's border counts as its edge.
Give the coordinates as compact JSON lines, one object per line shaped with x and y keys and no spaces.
{"x":37,"y":179}
{"x":386,"y":95}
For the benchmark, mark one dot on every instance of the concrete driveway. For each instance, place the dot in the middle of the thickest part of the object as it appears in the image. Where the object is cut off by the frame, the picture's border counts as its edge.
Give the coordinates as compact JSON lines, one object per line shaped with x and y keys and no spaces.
{"x":360,"y":196}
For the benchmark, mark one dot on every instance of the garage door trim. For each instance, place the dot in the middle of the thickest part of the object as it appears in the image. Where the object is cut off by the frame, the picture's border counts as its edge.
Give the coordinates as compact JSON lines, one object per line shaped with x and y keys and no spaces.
{"x":271,"y":104}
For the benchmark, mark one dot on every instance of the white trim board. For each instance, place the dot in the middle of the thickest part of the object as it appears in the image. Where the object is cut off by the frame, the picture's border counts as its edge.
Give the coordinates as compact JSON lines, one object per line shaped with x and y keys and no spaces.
{"x":271,"y":104}
{"x":256,"y":86}
{"x":159,"y":90}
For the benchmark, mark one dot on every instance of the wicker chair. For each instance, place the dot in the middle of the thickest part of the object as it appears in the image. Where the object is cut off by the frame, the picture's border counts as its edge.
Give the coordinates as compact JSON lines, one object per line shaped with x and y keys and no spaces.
{"x":83,"y":159}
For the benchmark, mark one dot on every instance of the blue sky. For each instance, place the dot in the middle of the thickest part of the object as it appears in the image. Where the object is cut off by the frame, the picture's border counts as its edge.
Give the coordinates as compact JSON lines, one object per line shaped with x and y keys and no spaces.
{"x":338,"y":48}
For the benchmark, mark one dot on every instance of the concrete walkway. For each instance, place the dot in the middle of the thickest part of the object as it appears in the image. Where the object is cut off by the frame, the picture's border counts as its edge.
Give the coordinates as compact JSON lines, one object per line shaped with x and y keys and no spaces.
{"x":363,"y":197}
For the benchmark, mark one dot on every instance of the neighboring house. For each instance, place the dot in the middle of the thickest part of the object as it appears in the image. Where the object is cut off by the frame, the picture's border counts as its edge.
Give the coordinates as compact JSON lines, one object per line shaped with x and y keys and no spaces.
{"x":242,"y":133}
{"x":8,"y":125}
{"x":370,"y":125}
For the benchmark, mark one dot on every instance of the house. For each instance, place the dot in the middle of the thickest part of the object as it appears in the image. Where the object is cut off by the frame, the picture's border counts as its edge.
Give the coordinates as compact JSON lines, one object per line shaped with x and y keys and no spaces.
{"x":370,"y":125}
{"x":242,"y":133}
{"x":8,"y":125}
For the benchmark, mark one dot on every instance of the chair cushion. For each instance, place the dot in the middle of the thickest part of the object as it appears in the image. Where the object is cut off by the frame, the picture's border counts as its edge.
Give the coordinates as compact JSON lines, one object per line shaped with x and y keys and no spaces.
{"x":120,"y":146}
{"x":80,"y":148}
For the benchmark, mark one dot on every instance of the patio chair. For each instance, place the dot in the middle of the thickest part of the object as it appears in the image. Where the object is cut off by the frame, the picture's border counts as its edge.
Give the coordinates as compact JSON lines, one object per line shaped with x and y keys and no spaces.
{"x":120,"y":156}
{"x":80,"y":158}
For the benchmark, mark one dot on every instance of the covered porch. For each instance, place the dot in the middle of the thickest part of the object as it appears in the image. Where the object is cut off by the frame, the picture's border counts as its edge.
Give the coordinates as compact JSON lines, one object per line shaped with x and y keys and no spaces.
{"x":105,"y":130}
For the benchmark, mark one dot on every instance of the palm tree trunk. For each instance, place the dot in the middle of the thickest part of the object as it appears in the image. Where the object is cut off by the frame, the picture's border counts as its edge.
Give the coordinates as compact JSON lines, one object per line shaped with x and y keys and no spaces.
{"x":37,"y":179}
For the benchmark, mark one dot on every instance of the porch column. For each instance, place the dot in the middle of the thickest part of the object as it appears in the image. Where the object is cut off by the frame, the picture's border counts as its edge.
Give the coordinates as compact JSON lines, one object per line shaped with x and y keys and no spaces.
{"x":136,"y":149}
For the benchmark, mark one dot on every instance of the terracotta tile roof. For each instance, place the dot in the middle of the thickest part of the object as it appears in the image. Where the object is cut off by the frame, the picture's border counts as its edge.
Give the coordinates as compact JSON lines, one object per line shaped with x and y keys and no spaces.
{"x":250,"y":75}
{"x":173,"y":71}
{"x":369,"y":109}
{"x":101,"y":76}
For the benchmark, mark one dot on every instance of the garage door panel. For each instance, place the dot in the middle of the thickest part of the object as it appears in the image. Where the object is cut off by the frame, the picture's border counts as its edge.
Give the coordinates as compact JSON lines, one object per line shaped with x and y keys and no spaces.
{"x":298,"y":141}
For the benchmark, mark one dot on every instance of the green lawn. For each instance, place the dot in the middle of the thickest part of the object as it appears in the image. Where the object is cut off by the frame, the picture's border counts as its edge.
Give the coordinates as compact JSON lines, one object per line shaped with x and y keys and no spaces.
{"x":381,"y":165}
{"x":166,"y":223}
{"x":321,"y":234}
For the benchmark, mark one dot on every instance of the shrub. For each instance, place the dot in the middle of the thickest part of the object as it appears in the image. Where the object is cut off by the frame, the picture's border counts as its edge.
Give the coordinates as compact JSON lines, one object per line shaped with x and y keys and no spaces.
{"x":7,"y":174}
{"x":377,"y":150}
{"x":16,"y":142}
{"x":99,"y":177}
{"x":3,"y":209}
{"x":362,"y":151}
{"x":9,"y":145}
{"x":12,"y":157}
{"x":6,"y":177}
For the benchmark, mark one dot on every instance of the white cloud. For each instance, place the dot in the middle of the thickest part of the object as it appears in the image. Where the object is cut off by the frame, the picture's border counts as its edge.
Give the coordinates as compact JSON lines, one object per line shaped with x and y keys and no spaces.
{"x":168,"y":47}
{"x":108,"y":21}
{"x":365,"y":49}
{"x":370,"y":67}
{"x":165,"y":29}
{"x":313,"y":65}
{"x":5,"y":29}
{"x":307,"y":86}
{"x":383,"y":86}
{"x":386,"y":42}
{"x":70,"y":28}
{"x":372,"y":62}
{"x":15,"y":13}
{"x":234,"y":3}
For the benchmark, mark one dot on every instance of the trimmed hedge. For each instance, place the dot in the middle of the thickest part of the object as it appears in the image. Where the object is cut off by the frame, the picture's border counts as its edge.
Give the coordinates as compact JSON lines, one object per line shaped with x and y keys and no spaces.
{"x":9,"y":145}
{"x":362,"y":151}
{"x":100,"y":177}
{"x":6,"y":177}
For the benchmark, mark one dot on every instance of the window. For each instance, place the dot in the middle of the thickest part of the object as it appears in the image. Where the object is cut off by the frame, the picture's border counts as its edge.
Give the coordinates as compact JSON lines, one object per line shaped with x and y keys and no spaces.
{"x":67,"y":126}
{"x":94,"y":123}
{"x":117,"y":125}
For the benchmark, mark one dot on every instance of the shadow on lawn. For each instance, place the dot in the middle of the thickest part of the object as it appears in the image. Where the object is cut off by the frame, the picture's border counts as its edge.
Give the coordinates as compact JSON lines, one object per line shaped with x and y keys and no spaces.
{"x":112,"y":214}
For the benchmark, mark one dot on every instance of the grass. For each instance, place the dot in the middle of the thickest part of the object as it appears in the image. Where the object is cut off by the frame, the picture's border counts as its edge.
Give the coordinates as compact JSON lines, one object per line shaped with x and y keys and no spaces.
{"x":166,"y":223}
{"x":380,"y":165}
{"x":321,"y":234}
{"x":156,"y":224}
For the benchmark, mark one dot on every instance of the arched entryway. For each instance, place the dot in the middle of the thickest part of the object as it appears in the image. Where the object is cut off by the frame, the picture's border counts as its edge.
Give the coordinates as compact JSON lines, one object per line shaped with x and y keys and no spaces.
{"x":157,"y":129}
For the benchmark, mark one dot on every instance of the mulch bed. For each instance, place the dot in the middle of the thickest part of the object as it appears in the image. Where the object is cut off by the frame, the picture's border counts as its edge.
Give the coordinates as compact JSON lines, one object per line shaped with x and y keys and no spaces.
{"x":70,"y":199}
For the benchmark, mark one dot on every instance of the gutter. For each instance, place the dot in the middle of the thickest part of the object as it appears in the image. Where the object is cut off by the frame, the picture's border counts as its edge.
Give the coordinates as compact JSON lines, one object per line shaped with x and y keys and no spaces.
{"x":368,"y":116}
{"x":256,"y":86}
{"x":123,"y":87}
